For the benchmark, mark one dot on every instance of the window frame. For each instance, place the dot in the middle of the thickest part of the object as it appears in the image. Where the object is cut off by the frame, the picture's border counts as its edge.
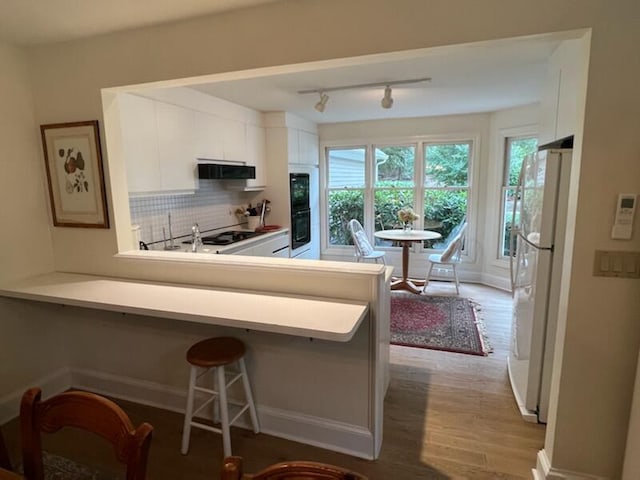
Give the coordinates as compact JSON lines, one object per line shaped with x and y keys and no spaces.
{"x":473,"y":139}
{"x":507,"y":138}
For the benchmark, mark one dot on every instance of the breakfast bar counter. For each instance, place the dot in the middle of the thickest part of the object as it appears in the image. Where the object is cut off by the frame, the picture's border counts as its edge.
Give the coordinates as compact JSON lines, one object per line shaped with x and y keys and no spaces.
{"x":290,"y":315}
{"x":319,"y":366}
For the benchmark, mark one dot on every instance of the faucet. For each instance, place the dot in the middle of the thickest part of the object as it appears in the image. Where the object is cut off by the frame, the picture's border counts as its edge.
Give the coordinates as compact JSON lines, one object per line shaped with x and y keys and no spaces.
{"x":196,"y":240}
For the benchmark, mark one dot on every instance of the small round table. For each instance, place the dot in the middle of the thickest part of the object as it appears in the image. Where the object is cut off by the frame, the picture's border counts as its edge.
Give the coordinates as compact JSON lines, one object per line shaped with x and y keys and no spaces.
{"x":406,"y":238}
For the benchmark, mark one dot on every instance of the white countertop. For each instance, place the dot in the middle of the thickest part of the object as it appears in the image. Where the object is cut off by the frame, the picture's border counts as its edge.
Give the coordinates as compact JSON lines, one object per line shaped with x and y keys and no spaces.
{"x":289,"y":315}
{"x":186,"y":247}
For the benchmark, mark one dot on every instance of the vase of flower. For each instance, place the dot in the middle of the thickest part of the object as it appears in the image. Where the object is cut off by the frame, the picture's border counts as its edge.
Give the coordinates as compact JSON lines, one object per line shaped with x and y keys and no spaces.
{"x":407,"y":216}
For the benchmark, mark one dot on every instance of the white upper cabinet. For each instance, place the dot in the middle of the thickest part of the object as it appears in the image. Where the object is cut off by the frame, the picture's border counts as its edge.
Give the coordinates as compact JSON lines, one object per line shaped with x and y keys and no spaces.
{"x":234,"y":140}
{"x":564,"y":92}
{"x":308,"y":148}
{"x":208,"y":136}
{"x":157,"y":142}
{"x":256,"y":155}
{"x":140,"y":143}
{"x":302,"y":147}
{"x":176,"y":147}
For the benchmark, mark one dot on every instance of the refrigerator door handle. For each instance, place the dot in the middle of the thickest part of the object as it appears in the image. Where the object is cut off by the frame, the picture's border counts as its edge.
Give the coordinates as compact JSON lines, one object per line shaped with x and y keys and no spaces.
{"x":513,"y":234}
{"x":534,"y":245}
{"x":512,"y":268}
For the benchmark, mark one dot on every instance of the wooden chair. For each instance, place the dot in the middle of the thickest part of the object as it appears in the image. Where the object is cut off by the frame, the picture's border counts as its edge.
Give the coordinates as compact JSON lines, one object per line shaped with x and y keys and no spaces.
{"x":363,"y":248}
{"x":5,"y":461}
{"x":293,"y":470}
{"x":86,"y":411}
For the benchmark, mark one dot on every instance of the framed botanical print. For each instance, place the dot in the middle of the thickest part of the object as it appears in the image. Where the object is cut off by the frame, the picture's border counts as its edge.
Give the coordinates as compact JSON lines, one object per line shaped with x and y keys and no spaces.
{"x":74,"y":173}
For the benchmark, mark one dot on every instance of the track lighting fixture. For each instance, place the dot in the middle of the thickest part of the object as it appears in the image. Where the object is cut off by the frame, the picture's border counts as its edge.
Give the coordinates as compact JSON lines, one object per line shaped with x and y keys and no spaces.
{"x":322,"y":103}
{"x":387,"y":101}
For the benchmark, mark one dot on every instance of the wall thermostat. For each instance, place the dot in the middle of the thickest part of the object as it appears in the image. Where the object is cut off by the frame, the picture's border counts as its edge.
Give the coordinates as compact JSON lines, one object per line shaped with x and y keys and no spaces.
{"x":625,"y":210}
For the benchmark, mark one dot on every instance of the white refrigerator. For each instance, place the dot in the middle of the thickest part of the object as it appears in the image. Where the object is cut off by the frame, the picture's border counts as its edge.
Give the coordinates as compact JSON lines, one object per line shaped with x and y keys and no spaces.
{"x":537,"y":238}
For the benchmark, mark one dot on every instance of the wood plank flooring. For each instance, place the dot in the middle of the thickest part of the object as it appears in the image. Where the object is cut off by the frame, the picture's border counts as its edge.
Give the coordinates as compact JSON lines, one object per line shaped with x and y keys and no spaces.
{"x":447,"y":416}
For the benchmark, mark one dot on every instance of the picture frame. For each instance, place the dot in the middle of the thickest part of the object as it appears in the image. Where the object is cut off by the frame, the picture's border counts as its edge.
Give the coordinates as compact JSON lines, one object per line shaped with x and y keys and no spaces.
{"x":75,"y":177}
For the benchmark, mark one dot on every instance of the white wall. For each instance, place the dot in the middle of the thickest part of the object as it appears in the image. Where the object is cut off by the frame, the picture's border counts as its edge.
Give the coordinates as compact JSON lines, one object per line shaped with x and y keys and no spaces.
{"x":602,"y":329}
{"x":28,"y":349}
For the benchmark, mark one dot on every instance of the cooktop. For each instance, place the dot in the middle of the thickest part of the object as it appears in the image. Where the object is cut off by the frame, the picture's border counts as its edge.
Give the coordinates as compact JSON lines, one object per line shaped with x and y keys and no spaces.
{"x":226,"y":238}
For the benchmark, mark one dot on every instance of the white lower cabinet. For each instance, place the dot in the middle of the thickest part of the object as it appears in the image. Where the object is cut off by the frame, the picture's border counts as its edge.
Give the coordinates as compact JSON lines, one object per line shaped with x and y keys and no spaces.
{"x":273,"y":246}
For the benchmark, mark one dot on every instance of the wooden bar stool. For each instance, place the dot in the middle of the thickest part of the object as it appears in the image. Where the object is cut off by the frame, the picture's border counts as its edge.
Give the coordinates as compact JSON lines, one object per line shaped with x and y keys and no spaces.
{"x":214,"y":354}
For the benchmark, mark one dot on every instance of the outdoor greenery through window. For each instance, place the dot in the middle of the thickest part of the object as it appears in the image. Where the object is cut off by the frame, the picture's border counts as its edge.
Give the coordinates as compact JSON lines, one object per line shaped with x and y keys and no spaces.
{"x":516,"y":148}
{"x":372,"y":183}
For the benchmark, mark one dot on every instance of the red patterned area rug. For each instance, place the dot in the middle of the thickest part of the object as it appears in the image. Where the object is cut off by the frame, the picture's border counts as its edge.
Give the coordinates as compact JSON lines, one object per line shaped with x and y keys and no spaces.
{"x":438,"y":323}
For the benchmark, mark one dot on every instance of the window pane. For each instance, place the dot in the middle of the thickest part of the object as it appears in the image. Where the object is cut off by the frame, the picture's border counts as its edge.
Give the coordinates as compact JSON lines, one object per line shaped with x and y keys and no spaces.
{"x":517,"y":149}
{"x":343,"y":206}
{"x":443,"y":211}
{"x":387,"y":202}
{"x":394,"y":166}
{"x":508,"y":197}
{"x":346,"y":168}
{"x":446,"y":165}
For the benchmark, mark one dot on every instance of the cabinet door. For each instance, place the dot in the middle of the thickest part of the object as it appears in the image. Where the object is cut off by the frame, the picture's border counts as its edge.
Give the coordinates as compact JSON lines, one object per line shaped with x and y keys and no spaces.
{"x":208,"y":136}
{"x":140,"y":143}
{"x":175,"y":144}
{"x":293,"y":145}
{"x":308,"y":148}
{"x":235,"y":139}
{"x":256,"y":155}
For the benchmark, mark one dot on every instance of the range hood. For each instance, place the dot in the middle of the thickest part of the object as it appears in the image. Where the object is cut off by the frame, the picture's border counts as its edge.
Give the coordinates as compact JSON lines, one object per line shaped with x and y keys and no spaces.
{"x":221,"y":171}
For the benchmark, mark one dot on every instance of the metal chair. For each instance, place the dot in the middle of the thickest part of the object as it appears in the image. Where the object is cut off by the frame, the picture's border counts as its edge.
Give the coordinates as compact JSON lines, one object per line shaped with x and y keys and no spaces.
{"x":449,"y":258}
{"x":363,"y":248}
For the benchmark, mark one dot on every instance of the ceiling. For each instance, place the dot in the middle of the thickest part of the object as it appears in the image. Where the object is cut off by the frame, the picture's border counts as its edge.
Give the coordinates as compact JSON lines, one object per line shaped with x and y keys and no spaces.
{"x":470,"y":78}
{"x":464,"y":79}
{"x":32,"y":22}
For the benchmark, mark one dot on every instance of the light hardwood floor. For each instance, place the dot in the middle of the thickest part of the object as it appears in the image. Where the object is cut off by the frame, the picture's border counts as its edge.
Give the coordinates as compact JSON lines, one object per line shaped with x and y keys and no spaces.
{"x":447,"y":416}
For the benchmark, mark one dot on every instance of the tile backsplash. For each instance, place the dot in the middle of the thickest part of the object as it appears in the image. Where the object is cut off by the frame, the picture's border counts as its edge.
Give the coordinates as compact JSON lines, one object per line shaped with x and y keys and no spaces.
{"x":211,"y":207}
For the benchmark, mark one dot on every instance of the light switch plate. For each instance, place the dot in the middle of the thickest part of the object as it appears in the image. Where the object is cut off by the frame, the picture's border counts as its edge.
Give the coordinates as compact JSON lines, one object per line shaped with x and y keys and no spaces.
{"x":608,"y":263}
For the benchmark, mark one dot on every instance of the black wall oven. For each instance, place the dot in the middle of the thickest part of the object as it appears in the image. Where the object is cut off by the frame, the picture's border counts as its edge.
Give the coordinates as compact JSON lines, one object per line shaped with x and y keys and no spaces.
{"x":300,"y":211}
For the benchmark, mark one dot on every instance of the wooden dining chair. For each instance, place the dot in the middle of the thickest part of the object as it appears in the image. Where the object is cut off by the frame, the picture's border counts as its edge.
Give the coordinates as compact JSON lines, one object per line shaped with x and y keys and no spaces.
{"x":86,"y":411}
{"x":5,"y":461}
{"x":293,"y":470}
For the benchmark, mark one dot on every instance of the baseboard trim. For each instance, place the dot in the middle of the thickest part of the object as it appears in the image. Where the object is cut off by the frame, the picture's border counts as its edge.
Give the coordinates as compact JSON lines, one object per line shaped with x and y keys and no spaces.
{"x":320,"y":432}
{"x":52,"y":384}
{"x":545,"y":471}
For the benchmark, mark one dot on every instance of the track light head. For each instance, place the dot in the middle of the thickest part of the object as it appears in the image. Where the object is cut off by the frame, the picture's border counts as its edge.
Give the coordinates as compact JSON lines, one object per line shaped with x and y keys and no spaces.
{"x":322,"y":103}
{"x":387,"y":101}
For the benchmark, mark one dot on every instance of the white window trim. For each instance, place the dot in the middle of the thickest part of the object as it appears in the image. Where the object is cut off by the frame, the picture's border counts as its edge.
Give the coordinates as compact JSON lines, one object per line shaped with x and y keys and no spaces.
{"x":503,"y":134}
{"x":369,"y":143}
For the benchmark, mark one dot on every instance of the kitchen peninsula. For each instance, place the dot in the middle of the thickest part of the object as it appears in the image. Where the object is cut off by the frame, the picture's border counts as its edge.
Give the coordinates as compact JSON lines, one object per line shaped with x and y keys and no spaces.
{"x":318,"y":365}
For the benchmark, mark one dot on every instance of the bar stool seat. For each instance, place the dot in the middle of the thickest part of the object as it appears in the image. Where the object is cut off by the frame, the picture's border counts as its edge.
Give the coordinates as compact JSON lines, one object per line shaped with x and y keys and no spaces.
{"x":214,"y":354}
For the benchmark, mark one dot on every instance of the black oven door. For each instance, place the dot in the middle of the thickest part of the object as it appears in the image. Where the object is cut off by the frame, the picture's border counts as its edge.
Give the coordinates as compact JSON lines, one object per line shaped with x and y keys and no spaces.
{"x":300,"y":227}
{"x":299,"y":191}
